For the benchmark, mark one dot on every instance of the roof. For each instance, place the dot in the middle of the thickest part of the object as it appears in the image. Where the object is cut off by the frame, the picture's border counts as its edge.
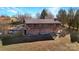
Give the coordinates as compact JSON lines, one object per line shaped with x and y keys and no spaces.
{"x":43,"y":21}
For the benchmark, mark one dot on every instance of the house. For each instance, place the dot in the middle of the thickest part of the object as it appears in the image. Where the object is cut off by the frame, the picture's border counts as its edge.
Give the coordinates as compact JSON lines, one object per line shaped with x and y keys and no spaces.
{"x":14,"y":19}
{"x":4,"y":23}
{"x":41,"y":26}
{"x":4,"y":20}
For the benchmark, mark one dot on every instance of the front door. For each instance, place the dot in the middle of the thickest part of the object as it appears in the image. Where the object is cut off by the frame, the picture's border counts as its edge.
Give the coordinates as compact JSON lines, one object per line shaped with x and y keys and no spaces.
{"x":24,"y":32}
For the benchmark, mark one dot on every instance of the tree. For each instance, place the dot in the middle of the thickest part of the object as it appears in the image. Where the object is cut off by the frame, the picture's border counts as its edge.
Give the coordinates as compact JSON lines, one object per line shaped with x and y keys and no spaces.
{"x":62,"y":16}
{"x":16,"y":23}
{"x":77,"y":19}
{"x":70,"y":17}
{"x":24,"y":17}
{"x":49,"y":16}
{"x":43,"y":14}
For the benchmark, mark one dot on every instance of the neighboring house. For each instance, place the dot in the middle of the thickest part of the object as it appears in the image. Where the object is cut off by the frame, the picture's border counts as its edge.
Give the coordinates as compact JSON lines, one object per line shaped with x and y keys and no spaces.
{"x":4,"y":22}
{"x":14,"y":19}
{"x":41,"y":26}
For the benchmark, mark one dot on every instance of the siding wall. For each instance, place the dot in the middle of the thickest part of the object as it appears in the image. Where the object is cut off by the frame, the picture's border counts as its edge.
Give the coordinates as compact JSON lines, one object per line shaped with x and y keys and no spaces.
{"x":41,"y":28}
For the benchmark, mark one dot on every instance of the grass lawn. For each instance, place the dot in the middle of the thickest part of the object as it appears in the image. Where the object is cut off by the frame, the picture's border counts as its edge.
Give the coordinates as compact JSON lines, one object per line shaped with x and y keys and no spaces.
{"x":60,"y":44}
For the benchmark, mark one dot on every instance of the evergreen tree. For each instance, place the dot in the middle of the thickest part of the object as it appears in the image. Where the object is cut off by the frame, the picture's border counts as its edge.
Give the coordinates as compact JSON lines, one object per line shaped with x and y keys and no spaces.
{"x":43,"y":14}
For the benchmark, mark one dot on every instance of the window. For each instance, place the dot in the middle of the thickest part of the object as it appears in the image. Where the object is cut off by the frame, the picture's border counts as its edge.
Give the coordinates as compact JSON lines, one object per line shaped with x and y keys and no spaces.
{"x":35,"y":26}
{"x":29,"y":25}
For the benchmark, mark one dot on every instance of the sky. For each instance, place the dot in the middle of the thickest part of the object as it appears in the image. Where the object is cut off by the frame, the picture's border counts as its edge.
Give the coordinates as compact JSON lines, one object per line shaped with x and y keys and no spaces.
{"x":11,"y":11}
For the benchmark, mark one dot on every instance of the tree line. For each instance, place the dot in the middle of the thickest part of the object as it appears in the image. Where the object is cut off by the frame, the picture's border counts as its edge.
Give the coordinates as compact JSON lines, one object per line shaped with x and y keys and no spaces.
{"x":69,"y":17}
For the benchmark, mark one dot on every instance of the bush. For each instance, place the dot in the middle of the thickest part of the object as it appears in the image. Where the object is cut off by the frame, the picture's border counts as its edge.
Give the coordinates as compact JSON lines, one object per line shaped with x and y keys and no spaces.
{"x":16,"y":23}
{"x":74,"y":36}
{"x":8,"y":39}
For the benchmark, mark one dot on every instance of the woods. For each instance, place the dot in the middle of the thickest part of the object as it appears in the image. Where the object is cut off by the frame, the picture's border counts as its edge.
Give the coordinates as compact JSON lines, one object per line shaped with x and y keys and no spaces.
{"x":69,"y":17}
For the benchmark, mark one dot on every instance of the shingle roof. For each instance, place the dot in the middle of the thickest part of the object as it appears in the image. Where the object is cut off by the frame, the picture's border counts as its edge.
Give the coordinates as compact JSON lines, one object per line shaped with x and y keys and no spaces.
{"x":37,"y":21}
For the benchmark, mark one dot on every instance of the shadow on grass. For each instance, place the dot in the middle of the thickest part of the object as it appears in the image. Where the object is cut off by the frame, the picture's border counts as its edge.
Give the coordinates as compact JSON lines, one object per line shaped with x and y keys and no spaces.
{"x":25,"y":39}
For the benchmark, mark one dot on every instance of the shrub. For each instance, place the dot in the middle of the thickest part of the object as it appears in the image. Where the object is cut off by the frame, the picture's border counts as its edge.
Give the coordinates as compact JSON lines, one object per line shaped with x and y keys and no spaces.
{"x":8,"y":39}
{"x":16,"y":23}
{"x":74,"y":36}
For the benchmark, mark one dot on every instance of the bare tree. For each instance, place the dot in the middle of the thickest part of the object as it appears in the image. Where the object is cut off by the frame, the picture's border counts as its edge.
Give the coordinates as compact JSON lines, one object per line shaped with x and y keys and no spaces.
{"x":22,"y":18}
